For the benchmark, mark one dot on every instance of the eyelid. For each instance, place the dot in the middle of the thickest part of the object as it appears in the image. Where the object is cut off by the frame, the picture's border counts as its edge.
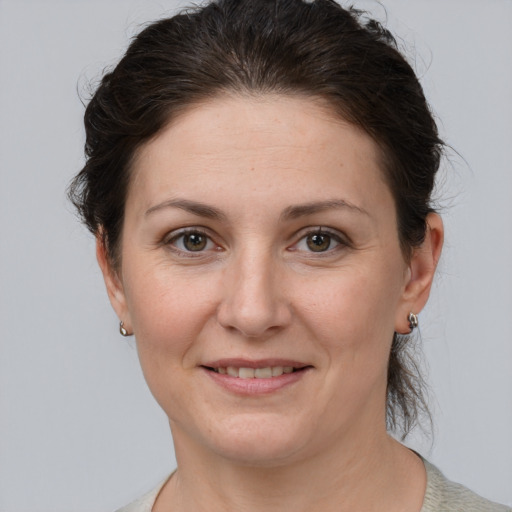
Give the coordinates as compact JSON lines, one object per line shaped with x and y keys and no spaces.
{"x":174,"y":235}
{"x":340,"y":238}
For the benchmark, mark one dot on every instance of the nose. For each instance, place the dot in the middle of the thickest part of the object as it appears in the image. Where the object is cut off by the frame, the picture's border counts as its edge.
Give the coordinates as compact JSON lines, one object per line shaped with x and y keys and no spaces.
{"x":254,"y":300}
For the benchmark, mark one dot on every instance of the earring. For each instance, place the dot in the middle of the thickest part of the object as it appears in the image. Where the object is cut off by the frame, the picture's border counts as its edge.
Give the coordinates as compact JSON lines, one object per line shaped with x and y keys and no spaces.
{"x":413,"y":321}
{"x":122,"y":329}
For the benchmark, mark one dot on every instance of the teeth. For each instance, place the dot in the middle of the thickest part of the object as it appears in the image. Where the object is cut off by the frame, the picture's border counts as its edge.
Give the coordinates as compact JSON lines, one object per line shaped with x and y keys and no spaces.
{"x":246,"y":373}
{"x":232,"y":371}
{"x":276,"y":371}
{"x":255,"y":373}
{"x":263,"y":373}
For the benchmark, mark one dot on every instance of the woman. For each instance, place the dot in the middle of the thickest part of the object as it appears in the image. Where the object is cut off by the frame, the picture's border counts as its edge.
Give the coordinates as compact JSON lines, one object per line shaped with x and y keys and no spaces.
{"x":259,"y":178}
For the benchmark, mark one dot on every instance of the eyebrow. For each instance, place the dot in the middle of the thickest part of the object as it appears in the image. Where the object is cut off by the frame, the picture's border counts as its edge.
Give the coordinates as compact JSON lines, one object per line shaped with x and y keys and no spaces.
{"x":302,"y":210}
{"x":195,"y":207}
{"x":289,"y":213}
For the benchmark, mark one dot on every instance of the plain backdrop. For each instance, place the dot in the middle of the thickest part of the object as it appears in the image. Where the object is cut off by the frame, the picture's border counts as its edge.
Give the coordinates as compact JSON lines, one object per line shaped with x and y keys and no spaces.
{"x":79,"y":431}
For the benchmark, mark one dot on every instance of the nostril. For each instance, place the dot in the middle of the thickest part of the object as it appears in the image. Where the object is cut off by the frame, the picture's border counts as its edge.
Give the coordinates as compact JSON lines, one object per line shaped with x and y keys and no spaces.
{"x":254,"y":321}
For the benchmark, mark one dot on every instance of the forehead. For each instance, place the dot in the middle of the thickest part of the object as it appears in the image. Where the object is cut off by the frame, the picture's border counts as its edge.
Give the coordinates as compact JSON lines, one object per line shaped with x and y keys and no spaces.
{"x":292,"y":117}
{"x":240,"y":141}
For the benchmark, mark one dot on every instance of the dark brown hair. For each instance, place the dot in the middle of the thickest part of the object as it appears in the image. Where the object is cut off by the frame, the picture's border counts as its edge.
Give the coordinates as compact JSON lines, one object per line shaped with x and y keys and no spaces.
{"x":313,"y":48}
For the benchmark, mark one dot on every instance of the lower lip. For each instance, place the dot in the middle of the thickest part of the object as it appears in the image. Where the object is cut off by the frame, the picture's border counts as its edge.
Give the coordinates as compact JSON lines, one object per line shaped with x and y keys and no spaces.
{"x":256,"y":386}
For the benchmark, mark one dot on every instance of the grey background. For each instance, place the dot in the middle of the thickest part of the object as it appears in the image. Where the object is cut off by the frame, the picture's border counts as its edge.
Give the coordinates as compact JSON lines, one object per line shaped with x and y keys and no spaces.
{"x":79,"y":430}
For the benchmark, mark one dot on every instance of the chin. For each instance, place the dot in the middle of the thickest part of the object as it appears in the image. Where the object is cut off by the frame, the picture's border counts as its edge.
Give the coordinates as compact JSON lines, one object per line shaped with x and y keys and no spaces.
{"x":260,"y":442}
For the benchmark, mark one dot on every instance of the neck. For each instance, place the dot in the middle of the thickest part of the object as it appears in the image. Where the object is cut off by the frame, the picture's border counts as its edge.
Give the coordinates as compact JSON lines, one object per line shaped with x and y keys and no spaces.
{"x":377,"y":474}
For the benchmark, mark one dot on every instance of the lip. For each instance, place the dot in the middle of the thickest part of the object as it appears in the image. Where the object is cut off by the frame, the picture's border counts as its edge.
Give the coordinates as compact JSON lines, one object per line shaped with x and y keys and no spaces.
{"x":255,"y":387}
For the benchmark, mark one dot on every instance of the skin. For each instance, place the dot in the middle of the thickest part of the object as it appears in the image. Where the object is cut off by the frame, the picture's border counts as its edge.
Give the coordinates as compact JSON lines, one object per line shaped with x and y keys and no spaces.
{"x":257,"y":290}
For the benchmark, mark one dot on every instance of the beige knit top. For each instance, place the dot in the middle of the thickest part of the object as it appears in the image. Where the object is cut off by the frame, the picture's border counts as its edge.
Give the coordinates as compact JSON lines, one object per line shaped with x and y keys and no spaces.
{"x":445,"y":496}
{"x":441,"y":496}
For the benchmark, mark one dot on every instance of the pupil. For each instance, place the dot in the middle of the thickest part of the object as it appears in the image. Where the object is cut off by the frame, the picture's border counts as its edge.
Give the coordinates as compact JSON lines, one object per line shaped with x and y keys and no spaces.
{"x":319,"y":243}
{"x":195,"y":242}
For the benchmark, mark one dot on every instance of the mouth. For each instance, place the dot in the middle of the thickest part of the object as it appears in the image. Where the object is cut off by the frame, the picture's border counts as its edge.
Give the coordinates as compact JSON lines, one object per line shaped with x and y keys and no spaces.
{"x":265,"y":372}
{"x":249,"y":377}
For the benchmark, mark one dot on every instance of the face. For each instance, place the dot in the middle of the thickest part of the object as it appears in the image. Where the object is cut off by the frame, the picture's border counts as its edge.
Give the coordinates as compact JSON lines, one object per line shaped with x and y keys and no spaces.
{"x":263,"y":278}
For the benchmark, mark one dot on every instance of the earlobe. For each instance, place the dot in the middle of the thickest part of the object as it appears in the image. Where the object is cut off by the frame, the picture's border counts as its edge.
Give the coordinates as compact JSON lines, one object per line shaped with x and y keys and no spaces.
{"x":420,"y":273}
{"x":113,"y":283}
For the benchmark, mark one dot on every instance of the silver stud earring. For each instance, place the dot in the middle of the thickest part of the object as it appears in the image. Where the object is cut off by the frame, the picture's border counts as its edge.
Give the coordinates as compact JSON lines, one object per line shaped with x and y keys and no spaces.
{"x":122,"y":329}
{"x":413,"y":321}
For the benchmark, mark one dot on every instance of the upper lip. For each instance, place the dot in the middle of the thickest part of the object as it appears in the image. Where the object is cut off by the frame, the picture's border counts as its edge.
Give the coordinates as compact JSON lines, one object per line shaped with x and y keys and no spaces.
{"x":253,"y":363}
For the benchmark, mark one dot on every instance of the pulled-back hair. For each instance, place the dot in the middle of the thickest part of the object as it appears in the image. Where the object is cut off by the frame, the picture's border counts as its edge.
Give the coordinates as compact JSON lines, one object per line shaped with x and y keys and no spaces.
{"x":291,"y":47}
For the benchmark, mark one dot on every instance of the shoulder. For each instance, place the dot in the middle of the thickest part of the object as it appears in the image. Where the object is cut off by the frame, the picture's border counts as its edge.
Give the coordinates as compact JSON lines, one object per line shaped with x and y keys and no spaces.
{"x":441,"y":495}
{"x":445,"y":496}
{"x":144,"y":503}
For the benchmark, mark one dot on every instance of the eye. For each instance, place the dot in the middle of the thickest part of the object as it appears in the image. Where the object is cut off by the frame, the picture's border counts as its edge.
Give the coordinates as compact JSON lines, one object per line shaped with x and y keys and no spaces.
{"x":192,"y":240}
{"x":319,"y":241}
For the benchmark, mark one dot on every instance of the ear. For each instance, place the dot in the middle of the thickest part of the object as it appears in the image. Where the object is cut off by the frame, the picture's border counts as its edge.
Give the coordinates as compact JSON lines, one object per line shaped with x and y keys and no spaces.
{"x":113,"y":284}
{"x":420,"y":273}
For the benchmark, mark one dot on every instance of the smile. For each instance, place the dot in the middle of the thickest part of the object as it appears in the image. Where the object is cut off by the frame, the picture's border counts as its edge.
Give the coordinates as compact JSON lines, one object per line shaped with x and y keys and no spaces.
{"x":255,"y":373}
{"x":255,"y":378}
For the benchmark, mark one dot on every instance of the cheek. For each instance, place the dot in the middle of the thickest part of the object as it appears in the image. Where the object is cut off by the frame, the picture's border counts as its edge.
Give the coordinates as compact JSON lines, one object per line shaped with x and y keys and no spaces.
{"x":354,"y":329}
{"x":357,"y":305}
{"x":167,"y":314}
{"x":352,"y":321}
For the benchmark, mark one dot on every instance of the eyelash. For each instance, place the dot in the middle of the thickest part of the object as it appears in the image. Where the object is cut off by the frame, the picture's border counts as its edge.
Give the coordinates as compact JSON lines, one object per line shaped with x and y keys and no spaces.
{"x":170,"y":241}
{"x":340,"y":241}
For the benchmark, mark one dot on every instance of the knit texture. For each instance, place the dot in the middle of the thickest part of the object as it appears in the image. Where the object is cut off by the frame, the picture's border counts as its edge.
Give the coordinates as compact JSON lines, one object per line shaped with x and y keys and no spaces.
{"x":445,"y":496}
